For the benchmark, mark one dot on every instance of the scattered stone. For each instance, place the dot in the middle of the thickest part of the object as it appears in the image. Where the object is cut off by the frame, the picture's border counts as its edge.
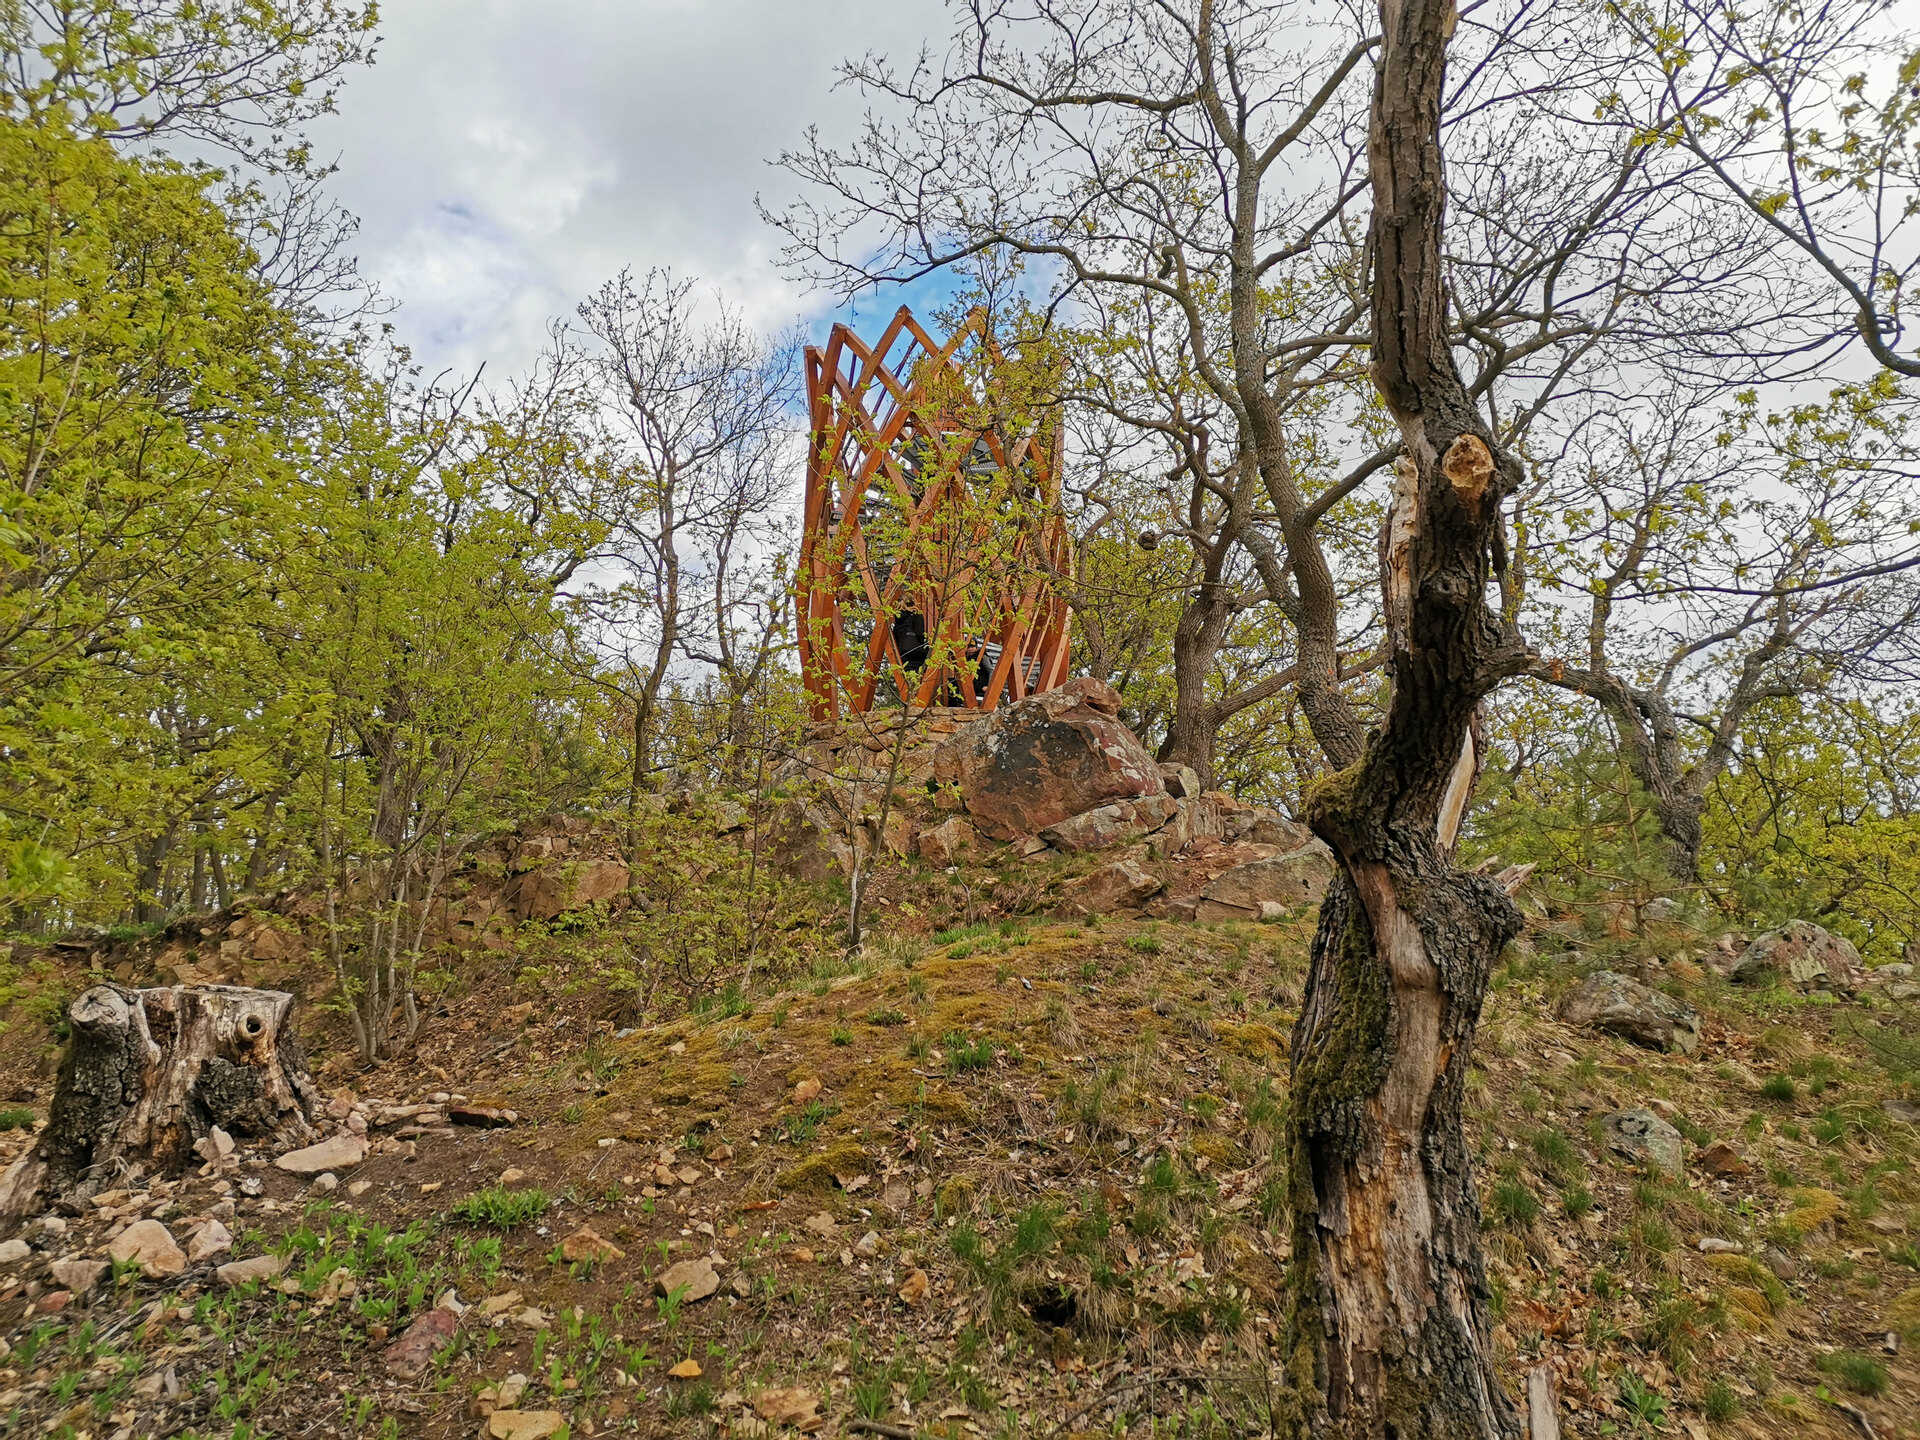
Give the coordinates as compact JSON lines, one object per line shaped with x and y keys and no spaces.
{"x":1714,"y":1245}
{"x":148,"y":1244}
{"x":1644,"y":1138}
{"x":821,"y":1223}
{"x":214,"y":1146}
{"x":914,"y":1292}
{"x":586,"y":1243}
{"x":1613,"y":1003}
{"x":12,"y":1252}
{"x":359,"y":1188}
{"x":1723,"y":1160}
{"x":340,"y":1152}
{"x":1299,"y":877}
{"x":499,"y":1304}
{"x":326,"y":1182}
{"x":209,"y":1240}
{"x":524,"y":1424}
{"x":245,"y":1272}
{"x":868,"y":1245}
{"x":697,"y":1276}
{"x":79,"y":1276}
{"x":512,"y":1175}
{"x":410,"y":1355}
{"x":1804,"y":955}
{"x":508,"y":1392}
{"x":1901,"y":1110}
{"x":792,"y":1405}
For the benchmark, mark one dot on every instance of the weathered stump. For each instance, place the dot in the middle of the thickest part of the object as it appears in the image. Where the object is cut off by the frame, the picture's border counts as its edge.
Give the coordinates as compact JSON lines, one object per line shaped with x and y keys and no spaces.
{"x":150,"y":1072}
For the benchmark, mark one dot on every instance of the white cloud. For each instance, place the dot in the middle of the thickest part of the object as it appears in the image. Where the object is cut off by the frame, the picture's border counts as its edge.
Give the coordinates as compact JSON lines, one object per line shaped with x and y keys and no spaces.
{"x":507,"y":156}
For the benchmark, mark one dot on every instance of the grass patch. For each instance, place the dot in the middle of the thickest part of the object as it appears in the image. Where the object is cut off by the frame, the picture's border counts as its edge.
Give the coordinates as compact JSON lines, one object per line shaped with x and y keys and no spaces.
{"x":499,"y":1208}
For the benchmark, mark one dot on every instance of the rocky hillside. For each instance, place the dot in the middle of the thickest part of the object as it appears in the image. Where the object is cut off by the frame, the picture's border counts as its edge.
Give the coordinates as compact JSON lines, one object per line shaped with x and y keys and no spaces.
{"x":1012,"y":1178}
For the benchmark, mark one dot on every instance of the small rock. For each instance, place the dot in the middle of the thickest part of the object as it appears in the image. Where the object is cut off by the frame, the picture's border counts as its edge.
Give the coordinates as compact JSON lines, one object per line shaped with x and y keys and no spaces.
{"x":209,"y":1240}
{"x":51,"y":1303}
{"x":790,"y":1405}
{"x":487,"y":1116}
{"x":340,"y":1152}
{"x":697,"y":1276}
{"x":326,"y":1182}
{"x":499,"y":1305}
{"x":1714,"y":1245}
{"x":359,"y":1188}
{"x":868,"y":1245}
{"x":1904,"y":1112}
{"x":1644,"y":1138}
{"x":512,"y":1175}
{"x":1723,"y":1160}
{"x":148,"y":1244}
{"x":245,"y":1272}
{"x":524,"y":1424}
{"x":508,"y":1393}
{"x":214,"y":1146}
{"x":410,"y":1355}
{"x":821,"y":1223}
{"x":79,"y":1276}
{"x":586,"y":1243}
{"x":12,"y":1252}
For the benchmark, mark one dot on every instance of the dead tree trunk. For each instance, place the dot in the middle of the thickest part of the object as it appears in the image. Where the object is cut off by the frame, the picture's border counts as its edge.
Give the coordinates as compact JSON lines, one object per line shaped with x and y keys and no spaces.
{"x":149,"y":1073}
{"x":1387,"y":1332}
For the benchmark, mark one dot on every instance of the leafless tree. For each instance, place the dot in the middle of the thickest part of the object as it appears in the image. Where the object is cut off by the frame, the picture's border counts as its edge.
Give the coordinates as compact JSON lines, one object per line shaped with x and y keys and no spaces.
{"x":696,"y":417}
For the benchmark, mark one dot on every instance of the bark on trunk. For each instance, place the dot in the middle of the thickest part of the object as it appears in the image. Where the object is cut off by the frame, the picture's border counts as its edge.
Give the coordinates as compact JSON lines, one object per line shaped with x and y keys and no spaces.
{"x":1387,"y":1333}
{"x":148,"y":1073}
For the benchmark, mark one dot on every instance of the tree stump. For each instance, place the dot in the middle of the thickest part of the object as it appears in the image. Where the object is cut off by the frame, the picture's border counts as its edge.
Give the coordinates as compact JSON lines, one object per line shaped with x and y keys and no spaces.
{"x":150,"y":1072}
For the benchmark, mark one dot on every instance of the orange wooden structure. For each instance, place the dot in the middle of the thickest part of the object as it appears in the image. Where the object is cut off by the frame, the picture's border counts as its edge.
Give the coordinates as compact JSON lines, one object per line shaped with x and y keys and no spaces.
{"x":933,"y":538}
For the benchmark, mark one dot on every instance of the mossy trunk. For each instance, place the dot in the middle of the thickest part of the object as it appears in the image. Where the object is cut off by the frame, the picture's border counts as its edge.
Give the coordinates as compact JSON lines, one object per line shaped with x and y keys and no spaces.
{"x":1386,"y":1329}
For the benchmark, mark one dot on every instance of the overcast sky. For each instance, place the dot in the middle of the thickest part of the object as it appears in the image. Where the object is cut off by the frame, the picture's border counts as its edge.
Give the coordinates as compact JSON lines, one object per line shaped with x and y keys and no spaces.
{"x":506,"y":156}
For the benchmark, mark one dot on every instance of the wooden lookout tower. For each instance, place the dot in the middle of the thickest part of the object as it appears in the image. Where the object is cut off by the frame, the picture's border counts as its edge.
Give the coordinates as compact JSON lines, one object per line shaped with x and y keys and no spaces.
{"x":933,"y":542}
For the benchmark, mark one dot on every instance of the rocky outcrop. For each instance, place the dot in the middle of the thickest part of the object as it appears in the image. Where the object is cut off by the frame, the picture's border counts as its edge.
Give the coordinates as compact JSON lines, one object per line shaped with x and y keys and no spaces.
{"x":554,"y":890}
{"x":1109,"y":825}
{"x":1801,"y":954}
{"x":1031,"y":765}
{"x":1619,"y":1006}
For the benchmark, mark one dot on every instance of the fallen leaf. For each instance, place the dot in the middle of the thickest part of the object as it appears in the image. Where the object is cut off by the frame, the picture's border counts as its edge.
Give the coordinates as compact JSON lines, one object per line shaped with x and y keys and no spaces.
{"x":914,"y":1292}
{"x":688,"y":1369}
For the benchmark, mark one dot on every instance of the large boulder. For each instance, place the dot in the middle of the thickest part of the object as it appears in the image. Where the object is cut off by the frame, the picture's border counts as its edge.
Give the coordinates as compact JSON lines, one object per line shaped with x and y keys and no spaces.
{"x":1123,"y":885}
{"x":1045,"y":759}
{"x":1611,"y":1002}
{"x":1298,"y":877}
{"x":1801,"y":953}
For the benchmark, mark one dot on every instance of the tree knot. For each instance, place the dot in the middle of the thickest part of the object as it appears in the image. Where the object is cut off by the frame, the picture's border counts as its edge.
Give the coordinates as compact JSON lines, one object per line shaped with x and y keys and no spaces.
{"x":1468,"y":466}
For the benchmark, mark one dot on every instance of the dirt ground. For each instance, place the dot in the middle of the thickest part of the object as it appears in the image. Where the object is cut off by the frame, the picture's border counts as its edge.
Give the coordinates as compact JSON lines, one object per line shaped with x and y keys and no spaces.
{"x":1015,"y":1179}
